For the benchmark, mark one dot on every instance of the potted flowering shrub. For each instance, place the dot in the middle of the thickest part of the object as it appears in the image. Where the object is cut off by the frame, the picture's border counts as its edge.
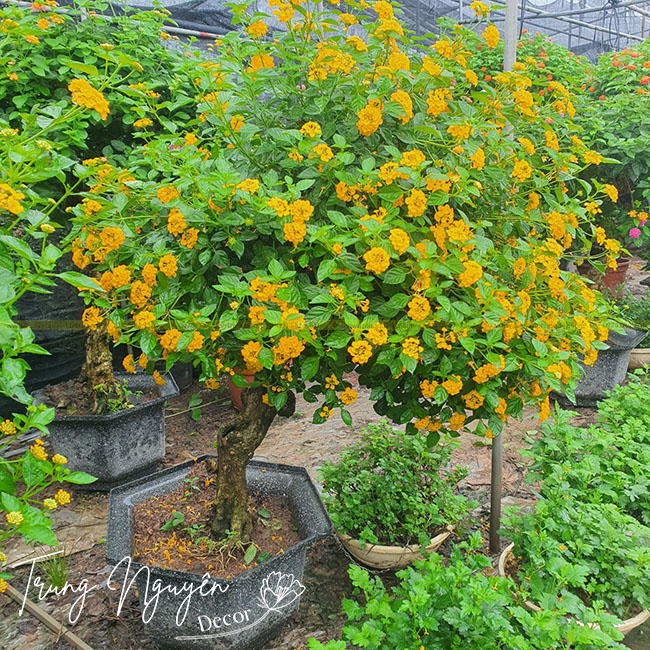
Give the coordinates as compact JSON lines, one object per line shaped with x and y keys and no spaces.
{"x":389,"y":496}
{"x":98,"y":427}
{"x":570,"y":550}
{"x":376,"y":239}
{"x":30,"y":485}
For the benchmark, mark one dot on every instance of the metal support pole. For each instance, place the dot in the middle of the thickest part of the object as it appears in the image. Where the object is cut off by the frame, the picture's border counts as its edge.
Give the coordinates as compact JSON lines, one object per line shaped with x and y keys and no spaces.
{"x":509,"y":58}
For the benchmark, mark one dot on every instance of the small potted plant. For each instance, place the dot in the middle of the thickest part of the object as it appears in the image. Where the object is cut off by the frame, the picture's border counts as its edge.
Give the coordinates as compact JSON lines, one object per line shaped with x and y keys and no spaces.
{"x":389,"y":497}
{"x":570,"y":551}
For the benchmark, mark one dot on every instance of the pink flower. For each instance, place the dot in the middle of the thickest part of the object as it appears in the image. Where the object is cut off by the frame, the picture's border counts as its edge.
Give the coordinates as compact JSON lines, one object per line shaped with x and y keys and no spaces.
{"x":174,"y":147}
{"x":634,"y":233}
{"x":642,"y":223}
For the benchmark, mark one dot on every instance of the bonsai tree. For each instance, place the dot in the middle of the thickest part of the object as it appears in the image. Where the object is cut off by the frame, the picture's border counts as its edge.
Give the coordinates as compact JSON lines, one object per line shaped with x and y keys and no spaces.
{"x":344,"y":203}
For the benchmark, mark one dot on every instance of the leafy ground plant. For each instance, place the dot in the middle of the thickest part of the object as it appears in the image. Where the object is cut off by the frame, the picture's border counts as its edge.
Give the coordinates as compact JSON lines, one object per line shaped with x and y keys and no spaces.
{"x":576,"y":552}
{"x":391,"y":488}
{"x":596,"y":464}
{"x":454,"y":605}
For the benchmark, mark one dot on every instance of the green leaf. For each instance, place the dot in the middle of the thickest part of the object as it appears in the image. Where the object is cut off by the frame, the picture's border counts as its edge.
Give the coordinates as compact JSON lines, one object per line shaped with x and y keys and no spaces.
{"x":7,"y":483}
{"x":346,"y":417}
{"x":326,"y":268}
{"x":33,"y":470}
{"x":9,"y":502}
{"x":265,"y":357}
{"x":39,"y":533}
{"x":309,"y":367}
{"x":79,"y":478}
{"x":338,"y":339}
{"x":228,"y":320}
{"x":250,"y":554}
{"x":264,"y":513}
{"x":79,"y":280}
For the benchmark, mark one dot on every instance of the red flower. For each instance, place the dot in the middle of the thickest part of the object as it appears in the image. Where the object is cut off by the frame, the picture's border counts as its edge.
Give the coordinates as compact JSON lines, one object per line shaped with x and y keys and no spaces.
{"x":645,"y":79}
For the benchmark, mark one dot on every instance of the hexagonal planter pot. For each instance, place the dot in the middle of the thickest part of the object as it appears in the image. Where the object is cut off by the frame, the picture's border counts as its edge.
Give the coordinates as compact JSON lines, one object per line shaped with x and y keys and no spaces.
{"x":608,"y":371}
{"x":117,"y":447}
{"x":240,"y":613}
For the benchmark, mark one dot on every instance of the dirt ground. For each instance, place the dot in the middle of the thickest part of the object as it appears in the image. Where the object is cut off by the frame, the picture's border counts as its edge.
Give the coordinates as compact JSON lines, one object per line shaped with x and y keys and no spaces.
{"x":294,"y":441}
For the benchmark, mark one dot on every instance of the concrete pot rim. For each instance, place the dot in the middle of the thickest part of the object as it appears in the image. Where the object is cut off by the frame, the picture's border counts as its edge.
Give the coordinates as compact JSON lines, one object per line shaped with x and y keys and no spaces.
{"x":625,"y":626}
{"x":115,"y":502}
{"x":379,"y":556}
{"x":169,"y":389}
{"x":628,"y":340}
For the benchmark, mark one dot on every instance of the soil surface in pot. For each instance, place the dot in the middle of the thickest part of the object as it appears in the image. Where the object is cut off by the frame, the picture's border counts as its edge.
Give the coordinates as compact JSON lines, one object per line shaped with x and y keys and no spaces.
{"x":513,"y":566}
{"x":187,"y":546}
{"x":74,"y":398}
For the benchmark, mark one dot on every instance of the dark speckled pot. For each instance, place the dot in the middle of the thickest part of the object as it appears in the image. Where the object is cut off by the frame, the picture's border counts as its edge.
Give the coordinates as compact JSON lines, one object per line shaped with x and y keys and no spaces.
{"x":241,"y":613}
{"x":117,"y":447}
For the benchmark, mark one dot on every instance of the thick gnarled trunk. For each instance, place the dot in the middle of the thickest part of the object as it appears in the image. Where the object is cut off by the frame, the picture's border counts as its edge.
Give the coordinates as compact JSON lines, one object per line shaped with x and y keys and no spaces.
{"x":98,"y":369}
{"x":236,"y":444}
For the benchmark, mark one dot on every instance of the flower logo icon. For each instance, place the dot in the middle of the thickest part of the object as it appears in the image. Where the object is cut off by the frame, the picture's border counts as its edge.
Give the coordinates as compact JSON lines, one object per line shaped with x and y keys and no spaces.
{"x":279,"y":590}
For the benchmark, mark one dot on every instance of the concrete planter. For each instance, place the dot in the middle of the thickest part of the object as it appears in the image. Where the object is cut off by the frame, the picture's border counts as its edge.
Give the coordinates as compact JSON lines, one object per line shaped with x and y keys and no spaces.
{"x":240,"y":613}
{"x":608,"y":371}
{"x":624,"y":627}
{"x":117,"y":447}
{"x":389,"y":557}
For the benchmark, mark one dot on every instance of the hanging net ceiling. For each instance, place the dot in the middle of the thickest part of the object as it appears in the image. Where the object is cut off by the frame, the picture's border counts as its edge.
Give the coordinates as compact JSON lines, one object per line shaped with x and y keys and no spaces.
{"x":587,"y":27}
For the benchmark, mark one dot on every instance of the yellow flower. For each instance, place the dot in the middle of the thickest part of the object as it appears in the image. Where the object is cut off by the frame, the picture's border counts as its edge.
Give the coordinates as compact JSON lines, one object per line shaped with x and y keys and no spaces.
{"x":167,"y":193}
{"x":310,"y":129}
{"x":301,"y":210}
{"x":478,"y":159}
{"x":189,"y":238}
{"x":236,"y":122}
{"x":176,"y":222}
{"x":250,"y":185}
{"x":437,"y":101}
{"x":399,"y":240}
{"x":419,"y":308}
{"x":323,"y":152}
{"x":142,"y":123}
{"x":377,"y":260}
{"x":168,"y":265}
{"x":459,"y":131}
{"x":58,"y":459}
{"x":456,"y":421}
{"x":360,"y":351}
{"x":143,"y":361}
{"x":8,"y":428}
{"x":149,"y":273}
{"x":611,"y":192}
{"x":260,"y":61}
{"x":212,"y":383}
{"x":169,"y":340}
{"x":196,"y":343}
{"x":280,"y":206}
{"x":158,"y":378}
{"x":404,"y":100}
{"x":370,"y":117}
{"x":348,"y":396}
{"x":10,"y":199}
{"x":453,"y":385}
{"x":50,"y":504}
{"x":472,"y":273}
{"x":411,"y":348}
{"x":91,"y":318}
{"x":14,"y":518}
{"x":592,"y":158}
{"x":294,"y":232}
{"x":128,"y":364}
{"x":377,"y":334}
{"x":473,"y":400}
{"x":83,"y":94}
{"x":383,"y":9}
{"x":416,"y":202}
{"x":257,"y":29}
{"x":479,"y":8}
{"x":491,"y":36}
{"x":522,"y":170}
{"x":413,"y":159}
{"x":62,"y":497}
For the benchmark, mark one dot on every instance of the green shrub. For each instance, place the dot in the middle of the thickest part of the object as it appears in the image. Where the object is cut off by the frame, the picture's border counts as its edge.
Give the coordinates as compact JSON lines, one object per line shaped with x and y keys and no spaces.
{"x":390,"y":488}
{"x":455,"y":605}
{"x":595,"y":464}
{"x":577,"y":551}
